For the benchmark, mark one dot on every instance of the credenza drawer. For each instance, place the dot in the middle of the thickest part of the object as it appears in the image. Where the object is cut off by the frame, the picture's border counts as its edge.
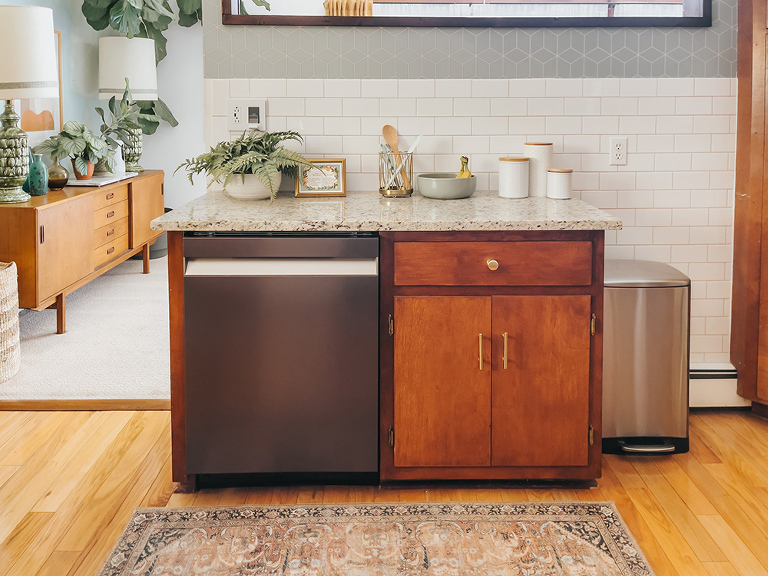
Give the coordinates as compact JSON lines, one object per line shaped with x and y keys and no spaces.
{"x":104,"y":198}
{"x":110,"y":214}
{"x":541,"y":263}
{"x":110,"y":232}
{"x":110,"y":250}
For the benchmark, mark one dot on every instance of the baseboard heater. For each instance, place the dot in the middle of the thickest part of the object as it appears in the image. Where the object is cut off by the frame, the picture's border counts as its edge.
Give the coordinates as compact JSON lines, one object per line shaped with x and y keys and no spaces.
{"x":714,"y":388}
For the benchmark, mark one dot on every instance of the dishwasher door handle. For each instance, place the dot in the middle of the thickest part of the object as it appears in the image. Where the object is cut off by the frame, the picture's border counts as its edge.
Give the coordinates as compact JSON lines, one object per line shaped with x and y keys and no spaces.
{"x":282,"y":267}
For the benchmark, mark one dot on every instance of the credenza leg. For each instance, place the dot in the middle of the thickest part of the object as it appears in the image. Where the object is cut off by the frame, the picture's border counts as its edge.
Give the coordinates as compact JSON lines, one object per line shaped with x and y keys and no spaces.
{"x":61,"y":314}
{"x":145,"y":258}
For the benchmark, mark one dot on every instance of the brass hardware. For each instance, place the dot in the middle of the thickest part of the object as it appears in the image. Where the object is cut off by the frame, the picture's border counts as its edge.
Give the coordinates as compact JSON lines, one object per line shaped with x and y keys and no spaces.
{"x":391,"y":437}
{"x":591,"y":435}
{"x":391,"y":325}
{"x":480,"y":339}
{"x":110,"y":196}
{"x":505,"y":357}
{"x":592,"y":325}
{"x":492,"y":264}
{"x":110,"y":232}
{"x":42,"y":234}
{"x":112,"y":249}
{"x":110,"y":213}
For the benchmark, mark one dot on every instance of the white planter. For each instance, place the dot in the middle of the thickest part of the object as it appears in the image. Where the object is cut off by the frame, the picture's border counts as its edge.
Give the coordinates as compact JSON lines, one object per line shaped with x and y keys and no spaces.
{"x":251,"y":188}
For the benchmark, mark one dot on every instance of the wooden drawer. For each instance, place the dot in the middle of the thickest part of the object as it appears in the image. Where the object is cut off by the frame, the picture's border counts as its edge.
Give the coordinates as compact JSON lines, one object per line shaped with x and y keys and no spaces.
{"x":110,"y":232}
{"x":110,"y":214}
{"x":110,"y":250}
{"x":104,"y":198}
{"x":540,"y":263}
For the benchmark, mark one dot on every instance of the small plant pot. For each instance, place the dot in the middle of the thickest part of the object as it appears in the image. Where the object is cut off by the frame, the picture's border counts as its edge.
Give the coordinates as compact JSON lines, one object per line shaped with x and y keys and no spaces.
{"x":251,"y":188}
{"x":86,"y":176}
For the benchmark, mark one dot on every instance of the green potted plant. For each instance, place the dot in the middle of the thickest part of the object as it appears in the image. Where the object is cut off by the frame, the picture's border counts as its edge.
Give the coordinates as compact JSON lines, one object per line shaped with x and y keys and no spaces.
{"x":251,"y":166}
{"x":125,"y":119}
{"x":83,"y":146}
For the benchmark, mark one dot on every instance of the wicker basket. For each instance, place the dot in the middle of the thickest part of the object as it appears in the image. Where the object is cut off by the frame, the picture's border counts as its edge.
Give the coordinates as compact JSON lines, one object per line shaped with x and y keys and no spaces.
{"x":10,"y":352}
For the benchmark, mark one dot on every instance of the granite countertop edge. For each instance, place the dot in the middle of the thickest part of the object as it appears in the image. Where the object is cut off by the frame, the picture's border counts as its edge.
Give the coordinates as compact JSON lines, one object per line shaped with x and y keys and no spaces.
{"x":370,"y":212}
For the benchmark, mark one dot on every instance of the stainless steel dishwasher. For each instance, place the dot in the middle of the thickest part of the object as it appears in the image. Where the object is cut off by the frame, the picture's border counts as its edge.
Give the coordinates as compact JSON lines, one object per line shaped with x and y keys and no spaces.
{"x":281,"y":353}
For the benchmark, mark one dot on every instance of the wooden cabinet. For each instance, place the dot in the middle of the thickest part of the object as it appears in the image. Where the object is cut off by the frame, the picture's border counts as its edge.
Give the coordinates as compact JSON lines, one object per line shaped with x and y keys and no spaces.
{"x":66,"y":238}
{"x":491,"y":357}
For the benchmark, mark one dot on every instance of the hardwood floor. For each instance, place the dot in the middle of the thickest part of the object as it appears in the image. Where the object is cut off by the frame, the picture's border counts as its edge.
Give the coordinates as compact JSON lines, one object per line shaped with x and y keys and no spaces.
{"x":70,"y":480}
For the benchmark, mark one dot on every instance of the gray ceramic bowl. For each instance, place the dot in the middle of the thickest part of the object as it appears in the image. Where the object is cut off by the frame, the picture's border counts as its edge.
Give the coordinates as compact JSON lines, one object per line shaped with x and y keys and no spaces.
{"x":445,"y":185}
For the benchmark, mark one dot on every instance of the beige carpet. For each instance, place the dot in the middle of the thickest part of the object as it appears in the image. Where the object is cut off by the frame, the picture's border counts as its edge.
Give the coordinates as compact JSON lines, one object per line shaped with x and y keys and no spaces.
{"x":115,"y":346}
{"x":461,"y":539}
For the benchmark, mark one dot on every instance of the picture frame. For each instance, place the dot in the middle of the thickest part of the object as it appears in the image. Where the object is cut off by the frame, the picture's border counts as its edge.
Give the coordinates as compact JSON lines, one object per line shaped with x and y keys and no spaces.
{"x":326,"y":177}
{"x":42,"y":118}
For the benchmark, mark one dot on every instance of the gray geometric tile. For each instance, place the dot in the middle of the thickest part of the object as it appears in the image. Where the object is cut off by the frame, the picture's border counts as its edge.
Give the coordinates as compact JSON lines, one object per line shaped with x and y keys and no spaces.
{"x":346,"y":52}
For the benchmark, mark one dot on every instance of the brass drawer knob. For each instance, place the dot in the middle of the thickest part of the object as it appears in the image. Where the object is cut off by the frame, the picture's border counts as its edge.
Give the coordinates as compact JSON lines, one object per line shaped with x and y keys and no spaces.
{"x":492,"y":264}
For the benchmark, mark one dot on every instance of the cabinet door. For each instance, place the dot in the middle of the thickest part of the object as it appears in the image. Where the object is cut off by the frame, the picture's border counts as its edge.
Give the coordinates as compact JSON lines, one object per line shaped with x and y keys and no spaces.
{"x":442,"y":394}
{"x":64,"y":245}
{"x":541,"y":399}
{"x":146,"y":205}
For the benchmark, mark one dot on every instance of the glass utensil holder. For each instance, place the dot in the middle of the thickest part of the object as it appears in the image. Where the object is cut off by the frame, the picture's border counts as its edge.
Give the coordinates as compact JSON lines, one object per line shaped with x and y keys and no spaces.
{"x":395,"y":173}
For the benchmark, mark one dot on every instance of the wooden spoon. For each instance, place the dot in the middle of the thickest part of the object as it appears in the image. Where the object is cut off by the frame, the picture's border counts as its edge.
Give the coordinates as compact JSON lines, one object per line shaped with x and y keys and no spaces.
{"x":391,"y":138}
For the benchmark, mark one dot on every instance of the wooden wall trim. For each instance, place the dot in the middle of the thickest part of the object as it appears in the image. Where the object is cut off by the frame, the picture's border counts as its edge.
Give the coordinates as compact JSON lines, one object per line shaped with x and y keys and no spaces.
{"x":748,"y":206}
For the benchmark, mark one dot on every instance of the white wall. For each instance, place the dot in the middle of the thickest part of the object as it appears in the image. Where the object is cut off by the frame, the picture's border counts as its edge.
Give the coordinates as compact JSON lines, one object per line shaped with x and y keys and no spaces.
{"x":180,"y":85}
{"x":675,"y":195}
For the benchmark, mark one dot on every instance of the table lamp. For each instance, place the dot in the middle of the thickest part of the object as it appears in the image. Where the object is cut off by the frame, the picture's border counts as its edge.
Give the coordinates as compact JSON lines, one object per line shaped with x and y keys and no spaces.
{"x":134,"y":59}
{"x":28,"y":69}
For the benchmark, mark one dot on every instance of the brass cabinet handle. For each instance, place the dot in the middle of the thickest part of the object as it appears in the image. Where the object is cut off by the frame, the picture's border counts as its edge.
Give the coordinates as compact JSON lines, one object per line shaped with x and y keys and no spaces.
{"x":110,"y":195}
{"x":480,"y":340}
{"x":112,"y":249}
{"x":110,"y":232}
{"x":505,"y":357}
{"x":110,"y":213}
{"x":492,"y":264}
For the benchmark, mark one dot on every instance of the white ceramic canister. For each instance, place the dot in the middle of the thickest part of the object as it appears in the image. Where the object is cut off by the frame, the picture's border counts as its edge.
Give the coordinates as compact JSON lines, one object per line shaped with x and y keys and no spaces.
{"x":540,"y":158}
{"x":513,"y":177}
{"x":559,"y":183}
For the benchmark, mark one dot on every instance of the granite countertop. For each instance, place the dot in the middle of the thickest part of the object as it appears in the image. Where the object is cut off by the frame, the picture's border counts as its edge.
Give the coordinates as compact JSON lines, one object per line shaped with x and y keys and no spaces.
{"x":369,"y":211}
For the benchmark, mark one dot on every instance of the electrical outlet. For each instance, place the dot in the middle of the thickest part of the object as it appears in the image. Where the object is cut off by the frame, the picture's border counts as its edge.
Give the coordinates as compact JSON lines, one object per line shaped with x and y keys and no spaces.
{"x":618,"y":149}
{"x":246,"y":114}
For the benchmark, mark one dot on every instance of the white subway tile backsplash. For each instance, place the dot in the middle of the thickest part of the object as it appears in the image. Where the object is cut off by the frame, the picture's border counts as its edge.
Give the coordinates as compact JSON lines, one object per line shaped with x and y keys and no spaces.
{"x":453,"y":88}
{"x":378,"y":88}
{"x":546,"y":106}
{"x":268,"y":88}
{"x":398,"y":107}
{"x":301,"y":88}
{"x":435,"y":107}
{"x":494,"y":88}
{"x":675,"y":194}
{"x":675,"y":87}
{"x":527,"y":88}
{"x":509,"y":106}
{"x":347,"y":88}
{"x":416,"y":88}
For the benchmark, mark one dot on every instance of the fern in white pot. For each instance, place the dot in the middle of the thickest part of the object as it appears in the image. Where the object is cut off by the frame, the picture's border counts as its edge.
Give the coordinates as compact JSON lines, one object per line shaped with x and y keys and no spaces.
{"x":250,"y":166}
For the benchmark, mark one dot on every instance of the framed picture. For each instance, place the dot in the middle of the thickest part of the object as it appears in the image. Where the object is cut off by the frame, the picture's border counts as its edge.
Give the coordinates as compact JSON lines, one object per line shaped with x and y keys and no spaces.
{"x":326,"y":177}
{"x":42,"y":117}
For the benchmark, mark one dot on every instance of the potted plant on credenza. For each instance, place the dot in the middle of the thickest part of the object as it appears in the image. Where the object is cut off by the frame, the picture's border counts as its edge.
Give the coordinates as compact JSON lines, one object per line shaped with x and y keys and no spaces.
{"x":82,"y":145}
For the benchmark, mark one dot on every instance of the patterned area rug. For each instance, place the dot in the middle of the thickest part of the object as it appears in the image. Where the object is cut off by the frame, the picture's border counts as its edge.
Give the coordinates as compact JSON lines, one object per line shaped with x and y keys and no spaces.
{"x":525,"y":539}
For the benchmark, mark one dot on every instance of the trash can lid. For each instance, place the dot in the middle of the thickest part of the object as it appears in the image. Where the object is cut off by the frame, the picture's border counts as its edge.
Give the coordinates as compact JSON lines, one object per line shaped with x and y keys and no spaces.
{"x":642,"y":274}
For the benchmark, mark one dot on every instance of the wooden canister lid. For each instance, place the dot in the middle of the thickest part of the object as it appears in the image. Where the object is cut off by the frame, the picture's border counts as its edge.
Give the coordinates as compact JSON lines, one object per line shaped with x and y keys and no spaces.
{"x":538,"y":144}
{"x":560,"y":170}
{"x":513,"y":159}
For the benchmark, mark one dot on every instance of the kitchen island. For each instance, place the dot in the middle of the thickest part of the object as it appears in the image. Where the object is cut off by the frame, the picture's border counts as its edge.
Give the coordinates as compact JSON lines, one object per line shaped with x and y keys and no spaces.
{"x":489,"y":326}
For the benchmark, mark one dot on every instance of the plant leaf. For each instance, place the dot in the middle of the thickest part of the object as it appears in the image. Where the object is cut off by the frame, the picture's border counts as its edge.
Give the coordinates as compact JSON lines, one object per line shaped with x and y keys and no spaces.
{"x":150,"y":31}
{"x":125,"y":18}
{"x":81,"y":165}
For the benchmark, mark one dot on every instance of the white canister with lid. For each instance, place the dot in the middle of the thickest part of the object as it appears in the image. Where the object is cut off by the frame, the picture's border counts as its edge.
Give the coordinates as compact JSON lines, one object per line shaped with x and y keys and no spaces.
{"x":559,"y":183}
{"x":513,"y":177}
{"x":540,"y":158}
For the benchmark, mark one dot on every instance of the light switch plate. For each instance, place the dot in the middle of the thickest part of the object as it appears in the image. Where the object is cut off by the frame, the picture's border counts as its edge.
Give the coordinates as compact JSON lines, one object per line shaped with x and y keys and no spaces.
{"x":246,"y":114}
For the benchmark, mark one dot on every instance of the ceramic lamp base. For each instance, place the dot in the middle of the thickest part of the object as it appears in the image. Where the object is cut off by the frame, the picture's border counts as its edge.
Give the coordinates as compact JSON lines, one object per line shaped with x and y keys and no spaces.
{"x":133,"y":168}
{"x":13,"y":195}
{"x":15,"y":154}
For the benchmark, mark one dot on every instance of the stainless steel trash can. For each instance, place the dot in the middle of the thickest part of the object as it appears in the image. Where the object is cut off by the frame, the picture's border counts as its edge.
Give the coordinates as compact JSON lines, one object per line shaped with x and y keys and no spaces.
{"x":646,"y":330}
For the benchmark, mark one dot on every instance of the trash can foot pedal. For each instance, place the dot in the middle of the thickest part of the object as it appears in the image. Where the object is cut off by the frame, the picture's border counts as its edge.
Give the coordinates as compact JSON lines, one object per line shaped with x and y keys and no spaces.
{"x":661,"y":448}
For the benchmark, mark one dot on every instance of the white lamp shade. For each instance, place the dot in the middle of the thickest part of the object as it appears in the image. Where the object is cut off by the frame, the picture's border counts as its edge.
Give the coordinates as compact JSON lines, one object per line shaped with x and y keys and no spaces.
{"x":132,"y":58}
{"x":28,"y":65}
